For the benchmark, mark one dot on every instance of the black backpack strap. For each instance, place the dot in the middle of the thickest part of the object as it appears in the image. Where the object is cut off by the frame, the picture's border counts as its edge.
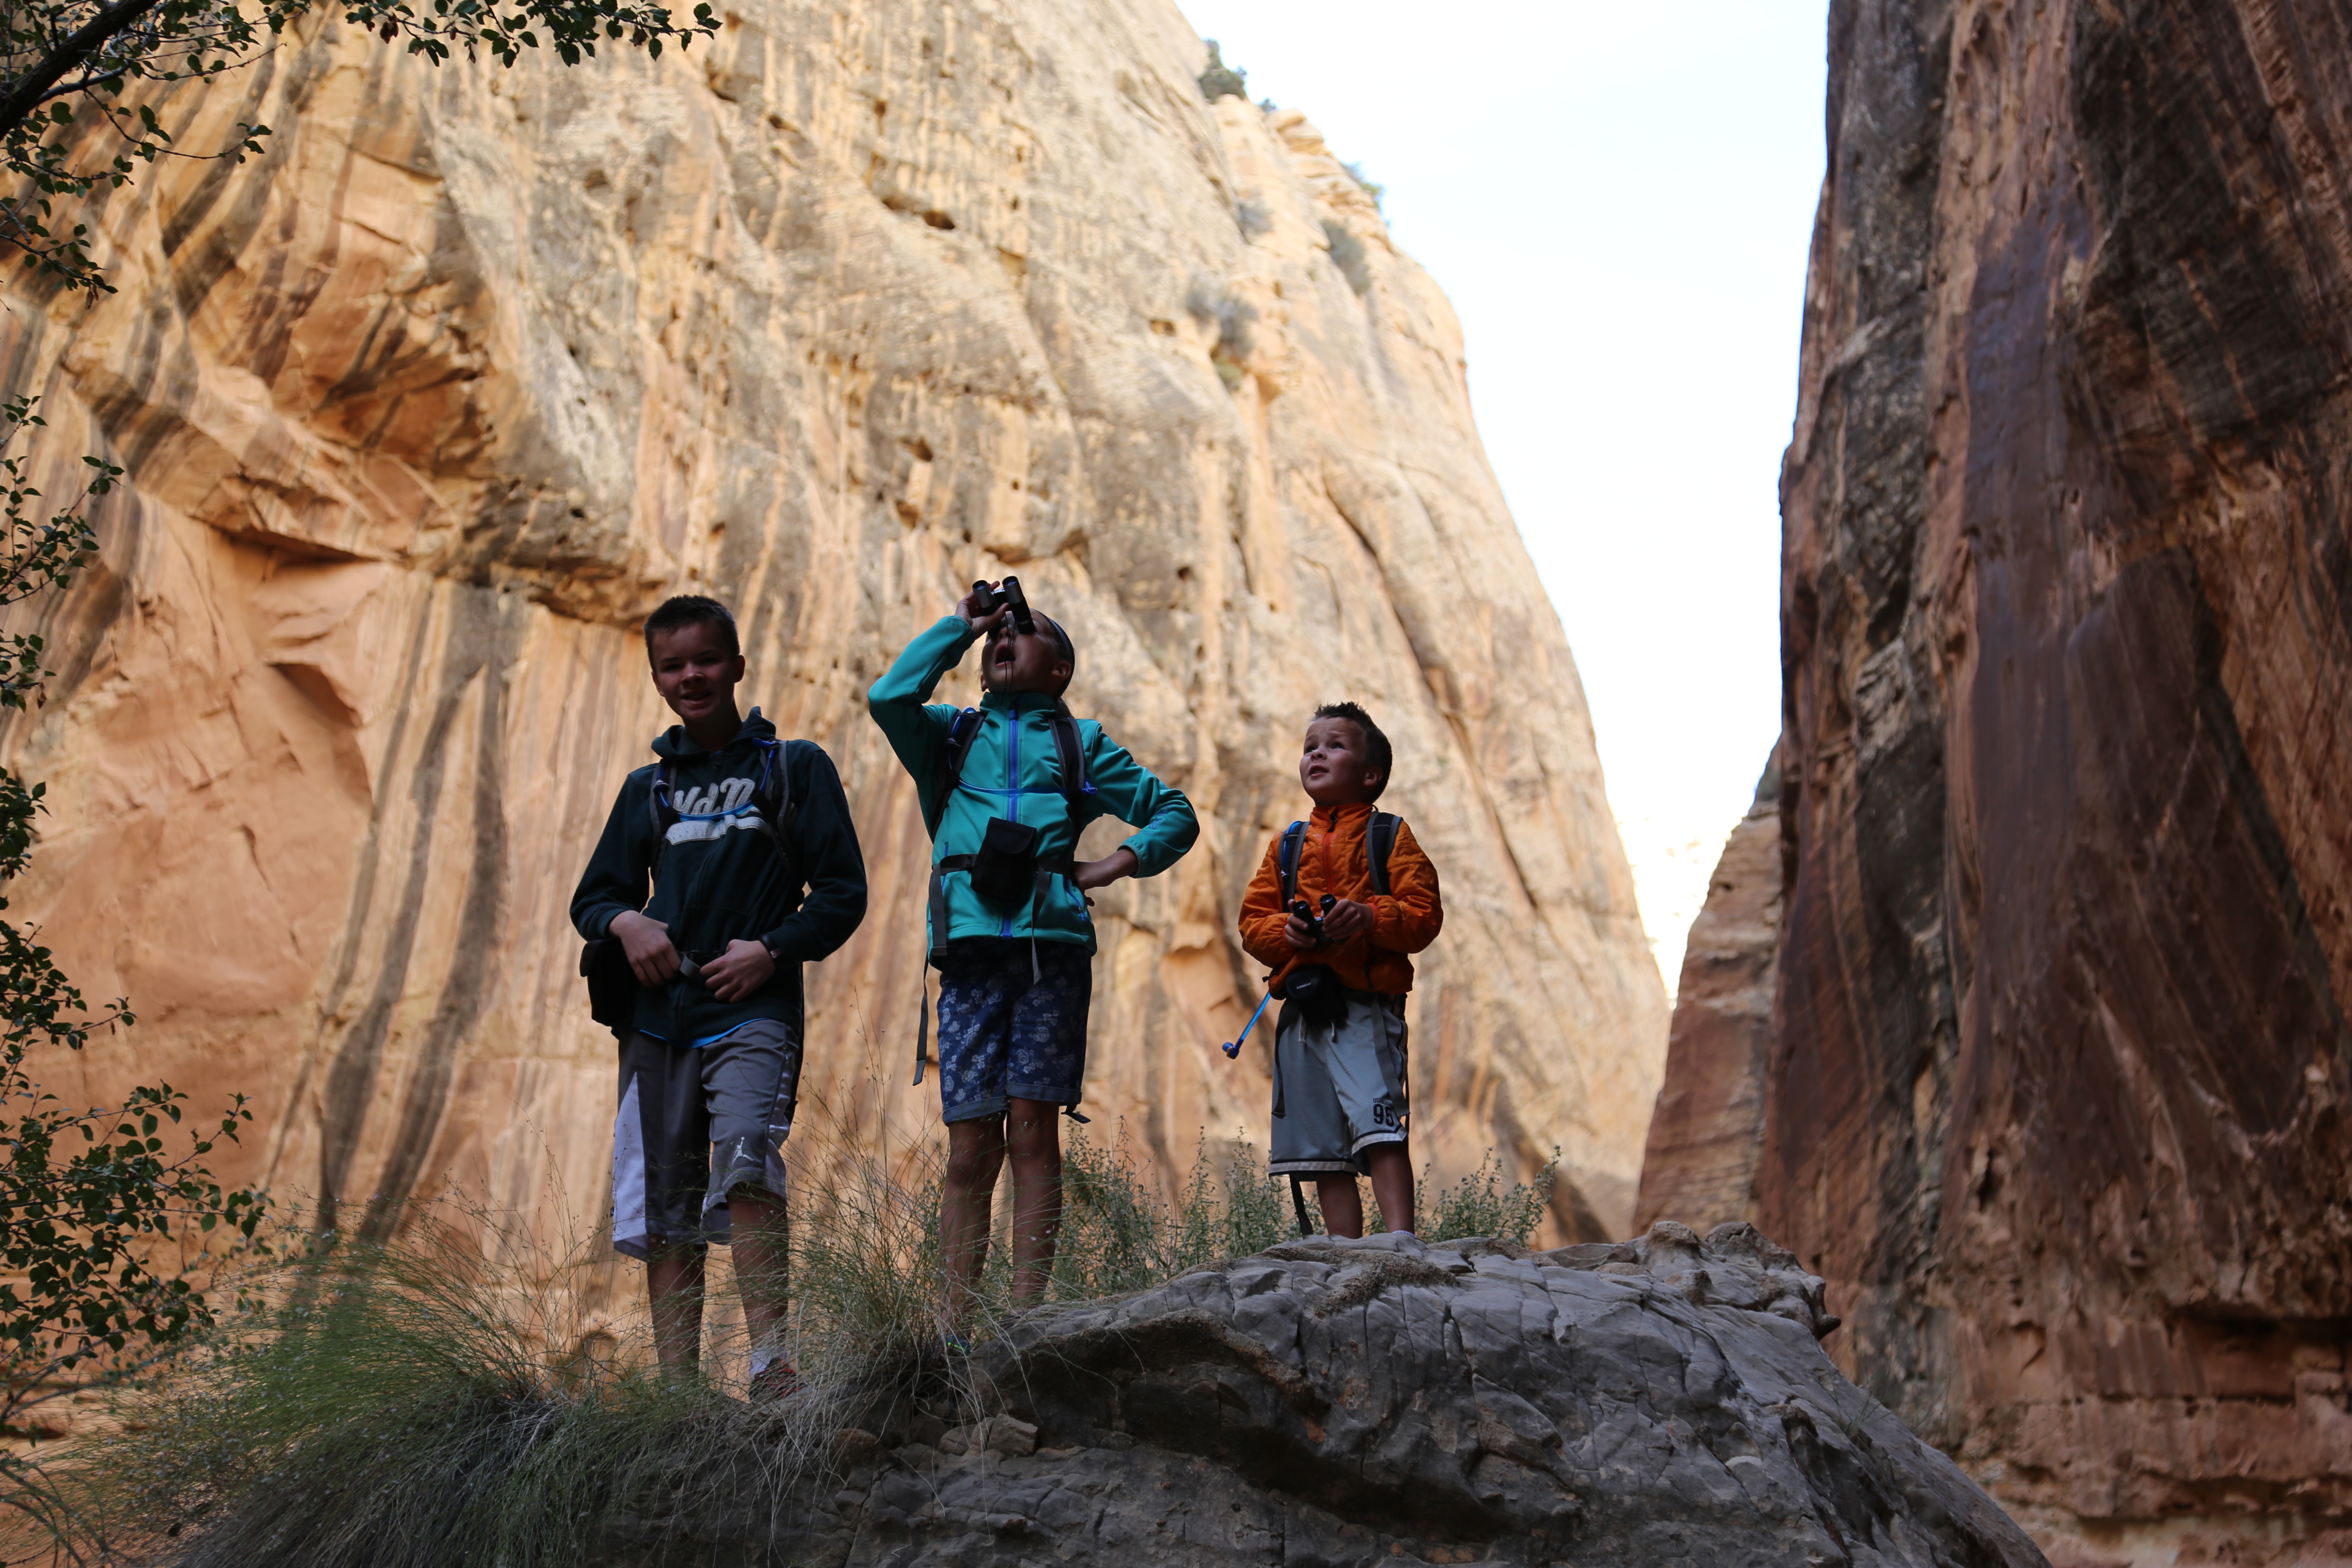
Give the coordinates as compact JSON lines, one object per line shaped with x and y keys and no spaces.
{"x":1075,"y":785}
{"x":665,"y":812}
{"x":961,"y":730}
{"x":1287,"y":859}
{"x":1380,"y":838}
{"x":774,"y":796}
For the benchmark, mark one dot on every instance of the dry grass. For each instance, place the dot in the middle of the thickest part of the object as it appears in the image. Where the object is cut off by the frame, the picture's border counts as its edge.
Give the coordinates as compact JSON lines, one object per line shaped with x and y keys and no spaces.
{"x":446,"y":1398}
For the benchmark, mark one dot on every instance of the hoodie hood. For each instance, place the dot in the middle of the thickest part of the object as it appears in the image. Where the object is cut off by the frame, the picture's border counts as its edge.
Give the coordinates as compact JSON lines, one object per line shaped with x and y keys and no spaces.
{"x":673,"y":746}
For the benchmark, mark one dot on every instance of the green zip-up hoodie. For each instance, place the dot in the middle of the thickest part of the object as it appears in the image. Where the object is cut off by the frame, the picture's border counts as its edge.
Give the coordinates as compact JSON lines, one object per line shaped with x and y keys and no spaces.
{"x":1013,"y":769}
{"x":720,"y":877}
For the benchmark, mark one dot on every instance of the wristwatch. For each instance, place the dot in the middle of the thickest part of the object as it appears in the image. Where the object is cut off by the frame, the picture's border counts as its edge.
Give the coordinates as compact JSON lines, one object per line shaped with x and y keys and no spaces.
{"x":773,"y":956}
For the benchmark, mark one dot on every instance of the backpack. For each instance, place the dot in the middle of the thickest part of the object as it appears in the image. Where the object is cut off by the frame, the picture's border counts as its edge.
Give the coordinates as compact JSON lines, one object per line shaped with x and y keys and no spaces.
{"x":1379,"y":838}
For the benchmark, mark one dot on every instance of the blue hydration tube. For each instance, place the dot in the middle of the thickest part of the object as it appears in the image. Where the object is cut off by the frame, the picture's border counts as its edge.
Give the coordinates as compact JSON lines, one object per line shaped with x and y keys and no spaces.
{"x":1234,"y":1047}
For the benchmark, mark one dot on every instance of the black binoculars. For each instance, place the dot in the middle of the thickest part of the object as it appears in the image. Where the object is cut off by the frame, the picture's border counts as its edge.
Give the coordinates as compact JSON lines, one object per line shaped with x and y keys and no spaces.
{"x":1301,"y":911}
{"x":990,"y":600}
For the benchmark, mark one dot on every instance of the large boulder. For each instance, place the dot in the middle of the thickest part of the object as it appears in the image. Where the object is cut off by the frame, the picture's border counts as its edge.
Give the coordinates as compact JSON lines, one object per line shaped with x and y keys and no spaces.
{"x":1330,"y":1402}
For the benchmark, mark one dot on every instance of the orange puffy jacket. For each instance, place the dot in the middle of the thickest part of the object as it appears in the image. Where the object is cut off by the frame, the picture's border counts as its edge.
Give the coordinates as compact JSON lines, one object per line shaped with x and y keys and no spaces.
{"x":1332,"y":859}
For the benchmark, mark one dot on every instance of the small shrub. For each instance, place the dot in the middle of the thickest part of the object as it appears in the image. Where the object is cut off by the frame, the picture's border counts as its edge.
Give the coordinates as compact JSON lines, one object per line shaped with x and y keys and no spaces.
{"x":1478,"y":1205}
{"x":1370,"y":186}
{"x":1252,"y":219}
{"x":1210,"y":305}
{"x":1347,"y":256}
{"x":1217,"y":78}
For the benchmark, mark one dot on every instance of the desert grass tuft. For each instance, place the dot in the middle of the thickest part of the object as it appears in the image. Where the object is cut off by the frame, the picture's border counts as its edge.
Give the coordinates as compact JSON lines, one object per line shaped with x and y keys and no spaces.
{"x":451,"y":1397}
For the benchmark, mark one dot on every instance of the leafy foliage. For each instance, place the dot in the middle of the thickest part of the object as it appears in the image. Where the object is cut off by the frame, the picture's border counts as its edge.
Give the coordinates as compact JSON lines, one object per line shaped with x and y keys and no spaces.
{"x":69,"y":69}
{"x":1218,"y":78}
{"x":90,"y":1199}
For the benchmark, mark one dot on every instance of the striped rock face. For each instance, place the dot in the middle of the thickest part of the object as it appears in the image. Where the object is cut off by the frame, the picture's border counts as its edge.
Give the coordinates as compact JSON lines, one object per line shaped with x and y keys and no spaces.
{"x":2054,"y":1083}
{"x":427,"y":406}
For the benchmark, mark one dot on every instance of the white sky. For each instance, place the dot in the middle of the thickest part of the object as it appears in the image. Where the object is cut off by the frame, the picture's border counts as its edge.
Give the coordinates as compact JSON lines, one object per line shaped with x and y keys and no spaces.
{"x":1618,"y":199}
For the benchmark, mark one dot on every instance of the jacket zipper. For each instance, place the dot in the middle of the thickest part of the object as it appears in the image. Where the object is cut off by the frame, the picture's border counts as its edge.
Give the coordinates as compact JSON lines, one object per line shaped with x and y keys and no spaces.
{"x":1013,"y":787}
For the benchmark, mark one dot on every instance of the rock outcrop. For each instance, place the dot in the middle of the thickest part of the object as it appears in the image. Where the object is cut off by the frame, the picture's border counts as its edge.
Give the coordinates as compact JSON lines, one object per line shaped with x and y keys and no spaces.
{"x":2057,"y":1082}
{"x":1382,"y":1401}
{"x":427,"y":404}
{"x":1700,"y":1167}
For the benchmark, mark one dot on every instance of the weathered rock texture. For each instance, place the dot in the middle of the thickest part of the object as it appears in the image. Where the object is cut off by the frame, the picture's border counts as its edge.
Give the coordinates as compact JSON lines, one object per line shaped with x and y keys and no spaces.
{"x":1700,"y":1167}
{"x":2060,"y":1062}
{"x":425,"y":406}
{"x":1662,"y":1401}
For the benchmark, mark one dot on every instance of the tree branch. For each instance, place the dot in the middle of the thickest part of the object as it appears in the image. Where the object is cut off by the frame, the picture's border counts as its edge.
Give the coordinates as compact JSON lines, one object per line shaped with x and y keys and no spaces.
{"x":29,"y":90}
{"x":85,"y":84}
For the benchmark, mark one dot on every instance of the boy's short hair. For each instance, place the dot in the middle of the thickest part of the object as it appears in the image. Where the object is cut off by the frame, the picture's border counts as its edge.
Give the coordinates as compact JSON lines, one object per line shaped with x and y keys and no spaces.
{"x":1377,"y":750}
{"x":689,"y":610}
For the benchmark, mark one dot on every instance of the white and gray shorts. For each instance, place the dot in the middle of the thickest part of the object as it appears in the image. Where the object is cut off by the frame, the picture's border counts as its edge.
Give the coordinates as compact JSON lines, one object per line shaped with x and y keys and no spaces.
{"x":1339,"y":1088}
{"x":697,"y":1123}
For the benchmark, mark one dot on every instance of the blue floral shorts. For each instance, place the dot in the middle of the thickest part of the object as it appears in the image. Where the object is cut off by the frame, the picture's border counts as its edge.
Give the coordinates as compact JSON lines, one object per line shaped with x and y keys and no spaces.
{"x":1005,"y":1035}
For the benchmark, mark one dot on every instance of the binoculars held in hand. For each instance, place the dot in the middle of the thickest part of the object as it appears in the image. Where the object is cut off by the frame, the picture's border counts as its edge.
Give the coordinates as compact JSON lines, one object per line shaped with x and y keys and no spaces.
{"x":1008,"y":591}
{"x":1312,"y":918}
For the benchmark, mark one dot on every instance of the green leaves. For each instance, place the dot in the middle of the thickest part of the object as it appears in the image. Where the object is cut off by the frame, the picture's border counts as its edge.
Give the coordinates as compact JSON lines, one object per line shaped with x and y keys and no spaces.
{"x":66,"y":67}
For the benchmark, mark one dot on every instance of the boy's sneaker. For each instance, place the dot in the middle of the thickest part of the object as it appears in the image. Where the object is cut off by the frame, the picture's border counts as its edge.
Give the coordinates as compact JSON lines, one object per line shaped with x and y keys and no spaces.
{"x":778,"y":1382}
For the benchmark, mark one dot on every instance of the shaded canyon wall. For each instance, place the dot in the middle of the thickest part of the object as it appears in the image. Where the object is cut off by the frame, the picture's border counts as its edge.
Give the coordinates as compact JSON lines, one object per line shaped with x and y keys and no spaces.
{"x":2058,"y":1064}
{"x":426,"y":405}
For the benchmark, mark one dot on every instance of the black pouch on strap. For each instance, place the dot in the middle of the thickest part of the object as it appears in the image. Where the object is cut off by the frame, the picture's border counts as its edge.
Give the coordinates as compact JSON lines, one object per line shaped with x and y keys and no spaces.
{"x":1315,"y":990}
{"x":1004,"y":871}
{"x":612,"y":985}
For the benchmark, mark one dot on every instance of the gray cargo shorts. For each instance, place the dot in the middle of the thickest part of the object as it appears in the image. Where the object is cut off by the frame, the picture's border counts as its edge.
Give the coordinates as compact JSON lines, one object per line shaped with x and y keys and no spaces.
{"x":695,"y":1123}
{"x":1339,"y":1088}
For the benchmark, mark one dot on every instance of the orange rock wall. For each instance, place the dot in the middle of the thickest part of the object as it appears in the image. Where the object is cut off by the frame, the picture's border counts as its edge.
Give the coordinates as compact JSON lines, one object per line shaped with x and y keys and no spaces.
{"x":2058,"y":1065}
{"x":427,"y":404}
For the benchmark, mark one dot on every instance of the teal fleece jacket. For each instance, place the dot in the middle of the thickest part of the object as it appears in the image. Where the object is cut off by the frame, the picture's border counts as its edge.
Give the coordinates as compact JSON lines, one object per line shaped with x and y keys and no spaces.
{"x":1013,"y":769}
{"x":720,"y":878}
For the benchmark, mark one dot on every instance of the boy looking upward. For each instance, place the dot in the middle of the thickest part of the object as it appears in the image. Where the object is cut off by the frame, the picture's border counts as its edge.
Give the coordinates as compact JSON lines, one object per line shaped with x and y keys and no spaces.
{"x":1005,"y":789}
{"x":728,"y":825}
{"x":1340,"y":1105}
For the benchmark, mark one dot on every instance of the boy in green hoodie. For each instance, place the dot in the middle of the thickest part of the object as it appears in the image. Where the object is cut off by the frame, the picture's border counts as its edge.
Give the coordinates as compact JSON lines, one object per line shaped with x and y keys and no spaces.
{"x":727,"y":826}
{"x":1005,"y":789}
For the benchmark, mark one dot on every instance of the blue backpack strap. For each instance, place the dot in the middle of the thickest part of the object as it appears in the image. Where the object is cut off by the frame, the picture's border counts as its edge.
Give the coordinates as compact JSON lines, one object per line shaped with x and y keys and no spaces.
{"x":1380,"y":838}
{"x":1287,"y":859}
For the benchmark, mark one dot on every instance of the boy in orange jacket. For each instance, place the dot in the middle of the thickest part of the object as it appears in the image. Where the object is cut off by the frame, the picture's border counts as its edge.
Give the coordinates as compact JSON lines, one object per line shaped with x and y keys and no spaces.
{"x":1369,"y":898}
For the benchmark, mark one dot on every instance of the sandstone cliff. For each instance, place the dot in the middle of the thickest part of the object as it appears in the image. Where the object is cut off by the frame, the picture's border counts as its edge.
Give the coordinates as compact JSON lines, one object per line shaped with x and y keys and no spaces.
{"x":427,"y":404}
{"x":1699,"y":1165}
{"x":2059,"y":1059}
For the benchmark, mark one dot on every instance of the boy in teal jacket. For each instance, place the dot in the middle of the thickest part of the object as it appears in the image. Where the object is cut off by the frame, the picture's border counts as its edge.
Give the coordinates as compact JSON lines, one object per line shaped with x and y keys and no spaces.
{"x":1006,"y":789}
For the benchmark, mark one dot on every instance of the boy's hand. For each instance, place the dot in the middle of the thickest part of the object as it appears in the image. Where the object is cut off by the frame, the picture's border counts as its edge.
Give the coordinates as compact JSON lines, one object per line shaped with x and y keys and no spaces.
{"x":1294,"y":932}
{"x":1092,"y":874}
{"x":743,"y":969}
{"x":1349,"y":919}
{"x":981,"y":621}
{"x":646,"y":941}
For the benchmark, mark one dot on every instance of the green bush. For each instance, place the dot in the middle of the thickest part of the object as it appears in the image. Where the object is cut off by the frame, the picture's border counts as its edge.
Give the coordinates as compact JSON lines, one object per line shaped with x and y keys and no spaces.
{"x":1370,"y":186}
{"x":1218,"y":79}
{"x":1347,"y":256}
{"x":1210,"y":305}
